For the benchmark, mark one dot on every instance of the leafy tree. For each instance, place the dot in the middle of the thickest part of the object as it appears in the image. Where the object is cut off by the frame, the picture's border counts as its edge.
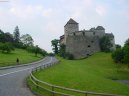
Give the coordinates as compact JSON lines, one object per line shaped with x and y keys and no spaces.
{"x":62,"y":50}
{"x":2,"y":37}
{"x":118,"y":46}
{"x":126,"y":42}
{"x":118,"y":55}
{"x":36,"y":50}
{"x":55,"y":44}
{"x":105,"y":44}
{"x":6,"y":47}
{"x":31,"y":49}
{"x":121,"y":55}
{"x":16,"y":35}
{"x":8,"y":37}
{"x":126,"y":54}
{"x":27,"y":40}
{"x":42,"y":52}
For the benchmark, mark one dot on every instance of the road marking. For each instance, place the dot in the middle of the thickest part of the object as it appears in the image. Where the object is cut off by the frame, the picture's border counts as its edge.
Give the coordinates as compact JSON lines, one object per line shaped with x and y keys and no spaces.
{"x":25,"y":69}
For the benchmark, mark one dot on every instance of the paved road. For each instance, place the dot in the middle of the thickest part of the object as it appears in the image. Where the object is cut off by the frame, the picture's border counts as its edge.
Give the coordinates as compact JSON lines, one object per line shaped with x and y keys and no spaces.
{"x":12,"y":81}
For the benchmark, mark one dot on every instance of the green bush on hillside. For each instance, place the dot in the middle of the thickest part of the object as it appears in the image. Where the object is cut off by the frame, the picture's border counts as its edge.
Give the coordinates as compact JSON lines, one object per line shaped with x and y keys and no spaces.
{"x":6,"y":47}
{"x":121,"y":55}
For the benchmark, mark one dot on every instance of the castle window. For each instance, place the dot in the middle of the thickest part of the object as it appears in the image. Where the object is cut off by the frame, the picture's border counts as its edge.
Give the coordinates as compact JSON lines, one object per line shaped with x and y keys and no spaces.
{"x":89,"y":46}
{"x":74,"y":34}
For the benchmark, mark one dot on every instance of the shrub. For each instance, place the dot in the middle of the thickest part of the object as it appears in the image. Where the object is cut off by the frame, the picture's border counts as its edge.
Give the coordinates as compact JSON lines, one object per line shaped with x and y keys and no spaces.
{"x":69,"y":56}
{"x":118,"y":56}
{"x":105,"y":44}
{"x":6,"y":47}
{"x":126,"y":54}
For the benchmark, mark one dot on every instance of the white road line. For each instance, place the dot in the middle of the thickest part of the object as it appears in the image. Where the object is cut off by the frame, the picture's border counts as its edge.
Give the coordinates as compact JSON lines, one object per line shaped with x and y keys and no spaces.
{"x":24,"y":69}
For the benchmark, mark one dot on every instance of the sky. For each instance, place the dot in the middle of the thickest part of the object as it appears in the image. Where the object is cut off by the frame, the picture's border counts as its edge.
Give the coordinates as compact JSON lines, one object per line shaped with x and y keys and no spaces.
{"x":44,"y":20}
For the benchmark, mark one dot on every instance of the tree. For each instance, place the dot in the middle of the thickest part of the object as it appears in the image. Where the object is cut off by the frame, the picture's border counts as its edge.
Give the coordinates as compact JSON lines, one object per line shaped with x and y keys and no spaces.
{"x":105,"y":44}
{"x":62,"y":50}
{"x":55,"y":44}
{"x":126,"y":54}
{"x":16,"y":35}
{"x":2,"y":37}
{"x":6,"y":47}
{"x":27,"y":40}
{"x":36,"y":50}
{"x":8,"y":37}
{"x":118,"y":55}
{"x":118,"y":46}
{"x":126,"y":42}
{"x":121,"y":55}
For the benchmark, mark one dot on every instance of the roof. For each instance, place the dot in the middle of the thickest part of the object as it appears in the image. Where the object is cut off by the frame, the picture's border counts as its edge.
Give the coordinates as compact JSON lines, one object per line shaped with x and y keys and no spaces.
{"x":71,"y":21}
{"x":100,"y":28}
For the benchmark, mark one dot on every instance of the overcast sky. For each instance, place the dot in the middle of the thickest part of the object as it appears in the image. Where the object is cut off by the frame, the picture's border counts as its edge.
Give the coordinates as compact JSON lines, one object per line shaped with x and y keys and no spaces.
{"x":44,"y":20}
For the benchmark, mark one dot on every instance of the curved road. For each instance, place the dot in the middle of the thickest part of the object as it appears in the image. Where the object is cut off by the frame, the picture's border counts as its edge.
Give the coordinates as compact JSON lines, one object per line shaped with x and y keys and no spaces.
{"x":12,"y":81}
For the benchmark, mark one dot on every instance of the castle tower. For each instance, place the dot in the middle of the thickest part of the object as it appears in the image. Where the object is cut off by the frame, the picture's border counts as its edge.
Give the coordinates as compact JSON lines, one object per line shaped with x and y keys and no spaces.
{"x":70,"y":27}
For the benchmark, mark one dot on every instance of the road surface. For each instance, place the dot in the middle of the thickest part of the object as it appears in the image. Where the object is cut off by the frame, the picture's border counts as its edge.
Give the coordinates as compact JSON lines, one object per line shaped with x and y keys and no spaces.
{"x":12,"y":81}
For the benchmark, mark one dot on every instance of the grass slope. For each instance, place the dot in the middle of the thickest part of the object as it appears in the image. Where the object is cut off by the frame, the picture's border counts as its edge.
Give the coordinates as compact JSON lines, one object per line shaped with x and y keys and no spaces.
{"x":23,"y":55}
{"x":92,"y":74}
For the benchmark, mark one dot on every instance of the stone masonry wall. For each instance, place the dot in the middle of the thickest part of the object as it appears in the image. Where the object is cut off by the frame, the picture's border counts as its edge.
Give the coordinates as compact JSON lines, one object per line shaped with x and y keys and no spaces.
{"x":82,"y":46}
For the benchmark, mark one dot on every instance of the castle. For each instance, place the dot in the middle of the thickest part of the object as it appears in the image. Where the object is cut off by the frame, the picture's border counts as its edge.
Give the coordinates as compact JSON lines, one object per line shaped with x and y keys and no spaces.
{"x":85,"y":42}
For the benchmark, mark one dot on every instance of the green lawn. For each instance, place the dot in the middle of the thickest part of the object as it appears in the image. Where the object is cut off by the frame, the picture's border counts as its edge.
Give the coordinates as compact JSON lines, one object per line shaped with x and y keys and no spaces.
{"x":23,"y":55}
{"x":96,"y":73}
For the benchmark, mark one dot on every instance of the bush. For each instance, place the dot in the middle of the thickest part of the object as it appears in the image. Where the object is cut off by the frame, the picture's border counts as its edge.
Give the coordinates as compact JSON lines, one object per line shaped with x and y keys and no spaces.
{"x":36,"y":50}
{"x":118,"y":55}
{"x":69,"y":56}
{"x":126,"y":54}
{"x":6,"y":47}
{"x":105,"y":44}
{"x":62,"y":50}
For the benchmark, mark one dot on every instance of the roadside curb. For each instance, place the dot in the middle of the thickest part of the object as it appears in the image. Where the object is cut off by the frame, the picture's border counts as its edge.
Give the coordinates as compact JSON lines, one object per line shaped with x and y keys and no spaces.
{"x":2,"y":68}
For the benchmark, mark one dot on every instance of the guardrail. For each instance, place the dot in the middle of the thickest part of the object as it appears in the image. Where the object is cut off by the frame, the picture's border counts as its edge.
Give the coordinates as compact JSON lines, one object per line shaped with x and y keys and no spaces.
{"x":53,"y":88}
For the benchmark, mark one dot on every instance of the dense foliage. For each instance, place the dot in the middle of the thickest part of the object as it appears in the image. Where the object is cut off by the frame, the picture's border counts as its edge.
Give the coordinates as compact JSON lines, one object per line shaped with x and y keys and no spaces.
{"x":121,"y":55}
{"x":55,"y":45}
{"x":8,"y":42}
{"x":6,"y":47}
{"x":105,"y":44}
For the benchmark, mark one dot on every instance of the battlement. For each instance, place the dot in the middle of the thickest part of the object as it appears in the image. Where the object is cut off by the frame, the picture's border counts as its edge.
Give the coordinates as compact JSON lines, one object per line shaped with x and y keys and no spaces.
{"x":82,"y":43}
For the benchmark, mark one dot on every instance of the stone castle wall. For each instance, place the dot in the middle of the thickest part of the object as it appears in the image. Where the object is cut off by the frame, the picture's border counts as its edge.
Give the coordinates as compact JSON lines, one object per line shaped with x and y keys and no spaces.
{"x":85,"y":42}
{"x":82,"y":46}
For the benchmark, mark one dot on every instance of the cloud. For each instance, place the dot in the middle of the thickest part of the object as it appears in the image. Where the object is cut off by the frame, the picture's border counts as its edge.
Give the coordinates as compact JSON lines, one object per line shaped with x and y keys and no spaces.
{"x":44,"y":19}
{"x":100,"y":10}
{"x":47,"y":12}
{"x":29,"y":11}
{"x":26,"y":12}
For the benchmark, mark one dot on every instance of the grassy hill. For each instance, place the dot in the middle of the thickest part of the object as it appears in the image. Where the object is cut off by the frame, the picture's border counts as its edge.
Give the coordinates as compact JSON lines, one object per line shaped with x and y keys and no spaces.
{"x":96,"y":73}
{"x":23,"y":55}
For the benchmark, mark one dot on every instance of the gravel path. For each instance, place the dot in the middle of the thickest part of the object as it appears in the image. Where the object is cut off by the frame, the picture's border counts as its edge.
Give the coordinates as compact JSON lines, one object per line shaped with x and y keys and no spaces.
{"x":12,"y":81}
{"x":123,"y":81}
